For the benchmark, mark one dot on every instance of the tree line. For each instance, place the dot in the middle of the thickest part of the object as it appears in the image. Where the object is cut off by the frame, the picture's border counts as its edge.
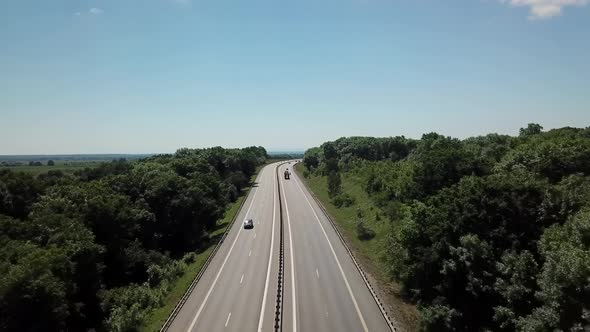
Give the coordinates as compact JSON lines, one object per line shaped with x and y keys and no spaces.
{"x":489,"y":233}
{"x":95,"y":250}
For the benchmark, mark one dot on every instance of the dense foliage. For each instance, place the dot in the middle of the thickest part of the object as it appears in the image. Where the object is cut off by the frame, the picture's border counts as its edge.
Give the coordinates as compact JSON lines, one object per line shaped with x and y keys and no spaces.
{"x":490,"y":233}
{"x":96,"y":249}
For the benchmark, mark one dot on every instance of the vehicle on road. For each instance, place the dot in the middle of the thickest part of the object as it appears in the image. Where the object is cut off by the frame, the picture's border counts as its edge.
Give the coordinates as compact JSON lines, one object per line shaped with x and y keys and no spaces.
{"x":248,"y":223}
{"x":287,"y":174}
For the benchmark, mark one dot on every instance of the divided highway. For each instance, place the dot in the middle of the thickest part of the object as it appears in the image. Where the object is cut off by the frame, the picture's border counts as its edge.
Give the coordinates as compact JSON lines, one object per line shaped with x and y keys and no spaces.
{"x":323,"y":291}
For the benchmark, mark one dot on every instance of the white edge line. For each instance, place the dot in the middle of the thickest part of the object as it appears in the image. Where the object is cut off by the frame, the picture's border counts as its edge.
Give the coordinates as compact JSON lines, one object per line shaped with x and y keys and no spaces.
{"x":356,"y":306}
{"x":272,"y":235}
{"x":194,"y":321}
{"x":292,"y":264}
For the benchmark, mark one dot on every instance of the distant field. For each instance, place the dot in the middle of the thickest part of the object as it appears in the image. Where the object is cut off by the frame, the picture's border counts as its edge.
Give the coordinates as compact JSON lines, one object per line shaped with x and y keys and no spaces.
{"x":63,"y":166}
{"x":71,"y":163}
{"x":71,"y":157}
{"x":64,"y":163}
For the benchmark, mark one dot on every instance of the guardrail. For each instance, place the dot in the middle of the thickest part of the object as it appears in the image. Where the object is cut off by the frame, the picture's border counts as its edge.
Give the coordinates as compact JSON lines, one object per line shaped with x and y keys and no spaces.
{"x":356,"y":264}
{"x":193,"y":284}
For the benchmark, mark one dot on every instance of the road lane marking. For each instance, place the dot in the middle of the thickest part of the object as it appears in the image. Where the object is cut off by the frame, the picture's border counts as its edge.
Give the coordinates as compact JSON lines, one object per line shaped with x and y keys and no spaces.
{"x":250,"y":253}
{"x":254,"y":235}
{"x":317,"y":273}
{"x":227,"y":320}
{"x":294,"y":300}
{"x":221,"y":268}
{"x":356,"y":306}
{"x":242,"y":279}
{"x":272,"y":236}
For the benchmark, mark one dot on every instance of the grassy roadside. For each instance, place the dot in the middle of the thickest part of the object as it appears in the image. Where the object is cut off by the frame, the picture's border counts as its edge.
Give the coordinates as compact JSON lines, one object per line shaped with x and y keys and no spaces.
{"x":156,"y":318}
{"x":370,"y":253}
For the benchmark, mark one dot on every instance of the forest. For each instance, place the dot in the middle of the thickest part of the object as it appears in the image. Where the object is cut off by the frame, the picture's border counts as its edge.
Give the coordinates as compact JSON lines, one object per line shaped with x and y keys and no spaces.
{"x":488,"y":233}
{"x":96,"y":249}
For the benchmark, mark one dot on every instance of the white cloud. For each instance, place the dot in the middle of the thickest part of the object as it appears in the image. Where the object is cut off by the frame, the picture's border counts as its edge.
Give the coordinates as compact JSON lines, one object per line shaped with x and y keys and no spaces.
{"x":96,"y":11}
{"x":542,"y":9}
{"x":77,"y":13}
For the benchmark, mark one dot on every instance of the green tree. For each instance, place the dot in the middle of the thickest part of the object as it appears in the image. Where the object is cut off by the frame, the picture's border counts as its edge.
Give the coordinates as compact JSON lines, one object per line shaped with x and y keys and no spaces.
{"x":449,"y":247}
{"x":99,"y":248}
{"x":311,"y":158}
{"x":553,"y":155}
{"x":33,"y":289}
{"x":330,"y":155}
{"x":440,"y":162}
{"x":18,"y":192}
{"x":516,"y":284}
{"x":334,"y":184}
{"x":565,"y":292}
{"x":531,"y":129}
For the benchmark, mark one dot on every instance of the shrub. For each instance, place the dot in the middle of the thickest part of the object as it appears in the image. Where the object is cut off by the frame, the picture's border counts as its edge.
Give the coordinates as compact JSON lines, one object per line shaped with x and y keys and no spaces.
{"x":129,"y":305}
{"x":189,"y":258}
{"x":362,"y":231}
{"x":343,"y":200}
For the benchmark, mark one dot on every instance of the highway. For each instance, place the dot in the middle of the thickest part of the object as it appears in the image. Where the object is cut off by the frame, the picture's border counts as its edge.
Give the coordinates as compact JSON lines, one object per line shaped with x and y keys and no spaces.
{"x":323,"y":291}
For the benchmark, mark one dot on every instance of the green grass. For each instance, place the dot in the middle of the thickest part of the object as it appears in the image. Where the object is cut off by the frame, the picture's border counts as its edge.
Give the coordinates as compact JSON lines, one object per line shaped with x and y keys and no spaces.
{"x":61,"y":165}
{"x":156,"y":318}
{"x":345,"y":217}
{"x":370,"y":253}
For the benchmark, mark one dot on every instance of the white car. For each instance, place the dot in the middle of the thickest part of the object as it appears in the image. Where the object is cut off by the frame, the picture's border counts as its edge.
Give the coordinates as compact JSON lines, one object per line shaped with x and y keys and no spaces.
{"x":248,"y":223}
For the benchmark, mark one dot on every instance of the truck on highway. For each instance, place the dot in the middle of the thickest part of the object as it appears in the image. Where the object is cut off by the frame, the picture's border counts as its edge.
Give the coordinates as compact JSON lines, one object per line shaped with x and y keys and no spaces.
{"x":287,"y":174}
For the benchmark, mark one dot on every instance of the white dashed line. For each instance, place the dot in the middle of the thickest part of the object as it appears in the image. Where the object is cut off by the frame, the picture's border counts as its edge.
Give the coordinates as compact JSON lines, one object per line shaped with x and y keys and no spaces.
{"x":254,"y":235}
{"x":250,"y":253}
{"x":274,"y":206}
{"x":317,"y":273}
{"x":227,"y":320}
{"x":241,"y":279}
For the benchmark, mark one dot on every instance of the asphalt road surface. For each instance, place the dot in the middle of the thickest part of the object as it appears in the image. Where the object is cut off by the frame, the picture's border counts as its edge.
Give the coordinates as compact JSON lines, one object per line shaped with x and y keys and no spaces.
{"x":323,"y":291}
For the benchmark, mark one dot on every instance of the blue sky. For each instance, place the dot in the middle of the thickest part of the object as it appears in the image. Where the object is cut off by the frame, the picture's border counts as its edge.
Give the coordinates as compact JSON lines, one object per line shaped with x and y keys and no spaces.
{"x":140,"y":76}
